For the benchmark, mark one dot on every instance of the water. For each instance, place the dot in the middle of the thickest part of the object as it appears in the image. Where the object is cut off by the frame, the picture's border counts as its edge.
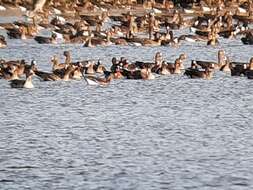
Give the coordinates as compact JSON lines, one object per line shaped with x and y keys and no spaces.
{"x":168,"y":133}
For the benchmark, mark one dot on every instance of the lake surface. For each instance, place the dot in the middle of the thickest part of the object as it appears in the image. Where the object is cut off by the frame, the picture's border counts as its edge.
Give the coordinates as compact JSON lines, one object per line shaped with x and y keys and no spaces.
{"x":168,"y":133}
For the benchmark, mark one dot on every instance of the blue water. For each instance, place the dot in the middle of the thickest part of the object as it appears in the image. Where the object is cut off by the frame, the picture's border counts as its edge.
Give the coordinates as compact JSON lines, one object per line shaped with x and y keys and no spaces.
{"x":168,"y":133}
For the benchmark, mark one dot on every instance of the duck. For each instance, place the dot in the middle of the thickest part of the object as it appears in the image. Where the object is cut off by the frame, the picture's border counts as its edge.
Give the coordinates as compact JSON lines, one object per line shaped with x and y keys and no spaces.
{"x":3,"y":42}
{"x":23,"y":83}
{"x":46,"y":40}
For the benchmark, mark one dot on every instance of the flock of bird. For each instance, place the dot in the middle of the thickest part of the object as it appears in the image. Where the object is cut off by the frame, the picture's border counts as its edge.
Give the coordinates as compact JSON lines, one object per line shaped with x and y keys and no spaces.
{"x":97,"y":74}
{"x":156,"y":27}
{"x":207,"y":24}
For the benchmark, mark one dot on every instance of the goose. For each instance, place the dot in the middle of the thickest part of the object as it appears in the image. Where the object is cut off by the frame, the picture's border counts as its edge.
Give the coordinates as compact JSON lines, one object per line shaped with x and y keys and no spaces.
{"x":177,"y":69}
{"x":46,"y":40}
{"x":90,"y":68}
{"x":88,"y":42}
{"x":117,"y":74}
{"x":65,"y":73}
{"x":205,"y":64}
{"x":92,"y":80}
{"x":164,"y":70}
{"x":196,"y":73}
{"x":238,"y":69}
{"x":31,"y":29}
{"x":151,"y":43}
{"x":172,"y":41}
{"x":181,"y":58}
{"x":7,"y":26}
{"x":77,"y":73}
{"x":3,"y":42}
{"x":47,"y":76}
{"x":99,"y":68}
{"x":92,"y":42}
{"x":17,"y":33}
{"x":56,"y":65}
{"x":21,"y":68}
{"x":120,"y":41}
{"x":249,"y":72}
{"x":193,"y":38}
{"x":67,"y":56}
{"x":213,"y":41}
{"x":226,"y":67}
{"x":23,"y":83}
{"x":9,"y":73}
{"x":248,"y":39}
{"x":144,"y":74}
{"x":221,"y":58}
